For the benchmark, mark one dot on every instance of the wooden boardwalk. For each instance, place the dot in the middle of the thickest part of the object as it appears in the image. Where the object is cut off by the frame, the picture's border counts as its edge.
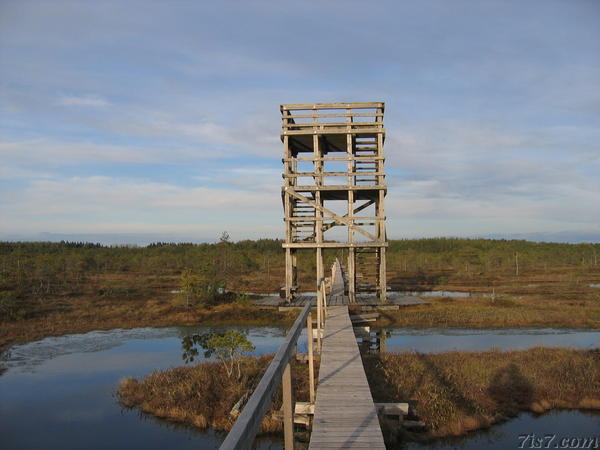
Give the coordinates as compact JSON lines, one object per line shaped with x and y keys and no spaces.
{"x":393,"y":302}
{"x":345,"y":415}
{"x":338,"y":286}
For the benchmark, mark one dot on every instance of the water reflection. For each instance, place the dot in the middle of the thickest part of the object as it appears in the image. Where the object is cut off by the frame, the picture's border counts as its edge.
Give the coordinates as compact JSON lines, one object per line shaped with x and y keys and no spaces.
{"x":65,"y":388}
{"x":151,"y":347}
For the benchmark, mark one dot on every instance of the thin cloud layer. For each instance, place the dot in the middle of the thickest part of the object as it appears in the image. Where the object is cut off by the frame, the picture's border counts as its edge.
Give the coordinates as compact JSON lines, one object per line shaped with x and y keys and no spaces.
{"x":83,"y":100}
{"x":144,"y":117}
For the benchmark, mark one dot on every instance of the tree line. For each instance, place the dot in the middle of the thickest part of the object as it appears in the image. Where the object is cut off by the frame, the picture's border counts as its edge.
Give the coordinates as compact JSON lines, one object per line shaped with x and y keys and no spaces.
{"x":42,"y":269}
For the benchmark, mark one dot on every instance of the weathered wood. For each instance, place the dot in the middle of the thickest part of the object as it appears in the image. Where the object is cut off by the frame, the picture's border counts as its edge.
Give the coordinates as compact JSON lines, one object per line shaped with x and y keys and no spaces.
{"x":314,"y":136}
{"x":323,"y":124}
{"x":366,"y":302}
{"x":353,"y":105}
{"x":338,"y":187}
{"x":302,"y":419}
{"x":364,"y":317}
{"x":342,"y":219}
{"x":244,"y":430}
{"x":392,"y":409}
{"x":345,"y":414}
{"x":335,"y":158}
{"x":235,"y":410}
{"x":372,"y":129}
{"x":304,"y":408}
{"x":337,"y":283}
{"x":288,"y":408}
{"x":311,"y":364}
{"x":317,"y":219}
{"x":325,"y":302}
{"x":346,"y":114}
{"x":413,"y":424}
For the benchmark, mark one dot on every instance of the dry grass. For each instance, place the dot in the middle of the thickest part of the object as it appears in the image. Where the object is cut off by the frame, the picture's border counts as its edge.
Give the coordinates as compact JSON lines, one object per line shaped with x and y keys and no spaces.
{"x":558,"y":296}
{"x":555,"y":297}
{"x":203,"y":395}
{"x":452,"y":392}
{"x":582,"y":310}
{"x":80,"y":316}
{"x":456,"y":392}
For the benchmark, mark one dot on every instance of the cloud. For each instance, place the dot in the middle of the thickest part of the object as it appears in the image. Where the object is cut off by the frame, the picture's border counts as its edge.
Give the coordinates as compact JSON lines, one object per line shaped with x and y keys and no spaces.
{"x":469,"y":178}
{"x":54,"y":153}
{"x":103,"y":204}
{"x":256,"y":136}
{"x":84,"y":100}
{"x":491,"y":118}
{"x":9,"y":172}
{"x":472,"y":161}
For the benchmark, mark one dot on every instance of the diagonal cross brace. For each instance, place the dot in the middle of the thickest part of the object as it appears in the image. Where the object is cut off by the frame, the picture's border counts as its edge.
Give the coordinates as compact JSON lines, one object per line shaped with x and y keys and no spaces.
{"x":359,"y":209}
{"x":333,"y":215}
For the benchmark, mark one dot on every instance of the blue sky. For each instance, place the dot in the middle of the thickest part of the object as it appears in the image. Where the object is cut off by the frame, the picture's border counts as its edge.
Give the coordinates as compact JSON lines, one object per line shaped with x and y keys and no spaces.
{"x":136,"y":121}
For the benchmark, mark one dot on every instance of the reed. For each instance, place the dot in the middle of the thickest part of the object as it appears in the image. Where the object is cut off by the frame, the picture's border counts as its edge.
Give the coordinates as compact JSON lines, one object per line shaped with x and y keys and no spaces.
{"x":203,"y":395}
{"x":581,"y":311}
{"x":456,"y":392}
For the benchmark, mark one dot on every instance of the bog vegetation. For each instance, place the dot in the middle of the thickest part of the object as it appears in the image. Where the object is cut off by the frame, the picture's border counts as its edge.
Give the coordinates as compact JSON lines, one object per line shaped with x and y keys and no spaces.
{"x":50,"y":288}
{"x":450,"y":393}
{"x":228,"y":346}
{"x":456,"y":392}
{"x":204,"y":395}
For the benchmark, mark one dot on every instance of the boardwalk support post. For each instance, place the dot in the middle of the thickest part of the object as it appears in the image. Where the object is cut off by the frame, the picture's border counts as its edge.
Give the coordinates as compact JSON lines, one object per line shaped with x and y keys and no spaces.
{"x":311,"y":364}
{"x":319,"y":323}
{"x":324,"y":300}
{"x":288,"y":408}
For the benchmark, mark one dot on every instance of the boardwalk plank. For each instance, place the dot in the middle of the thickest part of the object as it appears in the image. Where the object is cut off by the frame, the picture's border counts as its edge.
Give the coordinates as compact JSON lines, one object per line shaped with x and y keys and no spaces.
{"x":345,"y":415}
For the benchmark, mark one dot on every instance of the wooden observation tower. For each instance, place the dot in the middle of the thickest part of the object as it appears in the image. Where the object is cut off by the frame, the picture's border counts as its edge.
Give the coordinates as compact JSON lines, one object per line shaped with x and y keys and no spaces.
{"x":333,"y":191}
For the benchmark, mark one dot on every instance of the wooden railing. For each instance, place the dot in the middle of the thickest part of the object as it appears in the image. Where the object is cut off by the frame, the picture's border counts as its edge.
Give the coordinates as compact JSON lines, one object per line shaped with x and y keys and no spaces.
{"x":279,"y":372}
{"x":331,"y":118}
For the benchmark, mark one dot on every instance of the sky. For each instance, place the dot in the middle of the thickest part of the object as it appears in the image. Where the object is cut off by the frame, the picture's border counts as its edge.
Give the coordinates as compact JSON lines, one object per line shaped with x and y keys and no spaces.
{"x":159,"y":120}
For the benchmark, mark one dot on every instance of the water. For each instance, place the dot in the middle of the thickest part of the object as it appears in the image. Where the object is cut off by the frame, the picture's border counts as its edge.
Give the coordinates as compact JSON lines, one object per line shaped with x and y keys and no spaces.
{"x":595,"y":285}
{"x":427,"y":340}
{"x":552,"y":428}
{"x":59,"y":392}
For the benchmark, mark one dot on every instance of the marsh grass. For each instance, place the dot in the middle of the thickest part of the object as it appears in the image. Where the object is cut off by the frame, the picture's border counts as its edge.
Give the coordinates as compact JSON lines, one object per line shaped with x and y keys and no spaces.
{"x":582,"y":310}
{"x":452,"y":393}
{"x":203,"y":395}
{"x":456,"y":392}
{"x":87,"y":287}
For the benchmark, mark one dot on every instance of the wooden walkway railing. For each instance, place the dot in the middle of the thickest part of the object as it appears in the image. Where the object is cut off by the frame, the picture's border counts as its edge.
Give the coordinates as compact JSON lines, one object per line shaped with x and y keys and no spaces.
{"x":279,"y":372}
{"x":344,"y":413}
